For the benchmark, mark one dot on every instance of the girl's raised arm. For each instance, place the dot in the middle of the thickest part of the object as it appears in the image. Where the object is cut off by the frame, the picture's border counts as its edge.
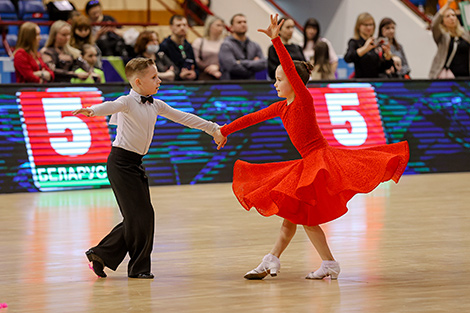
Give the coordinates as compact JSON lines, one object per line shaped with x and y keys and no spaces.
{"x":284,"y":57}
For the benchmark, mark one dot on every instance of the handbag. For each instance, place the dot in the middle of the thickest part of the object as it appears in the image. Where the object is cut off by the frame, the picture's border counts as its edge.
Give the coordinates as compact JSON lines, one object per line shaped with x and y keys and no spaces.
{"x":446,"y":73}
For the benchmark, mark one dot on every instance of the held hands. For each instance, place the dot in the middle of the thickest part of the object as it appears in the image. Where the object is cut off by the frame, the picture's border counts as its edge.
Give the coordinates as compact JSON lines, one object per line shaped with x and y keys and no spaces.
{"x":273,"y":29}
{"x":219,"y":139}
{"x":84,"y":111}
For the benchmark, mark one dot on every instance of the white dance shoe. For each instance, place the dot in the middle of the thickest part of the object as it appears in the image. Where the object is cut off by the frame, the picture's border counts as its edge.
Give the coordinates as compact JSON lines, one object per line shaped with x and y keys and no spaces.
{"x":270,"y":265}
{"x":327,"y":268}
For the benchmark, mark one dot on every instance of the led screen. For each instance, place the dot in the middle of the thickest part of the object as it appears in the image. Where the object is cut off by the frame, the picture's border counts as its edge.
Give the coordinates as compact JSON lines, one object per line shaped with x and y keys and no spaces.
{"x":44,"y":147}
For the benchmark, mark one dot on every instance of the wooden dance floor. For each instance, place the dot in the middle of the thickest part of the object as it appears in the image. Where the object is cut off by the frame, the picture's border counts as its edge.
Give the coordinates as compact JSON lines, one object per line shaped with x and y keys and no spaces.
{"x":402,"y":248}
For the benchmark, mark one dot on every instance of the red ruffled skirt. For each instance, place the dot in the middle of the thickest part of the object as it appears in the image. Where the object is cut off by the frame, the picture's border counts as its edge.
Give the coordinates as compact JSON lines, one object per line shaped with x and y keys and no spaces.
{"x":315,"y":189}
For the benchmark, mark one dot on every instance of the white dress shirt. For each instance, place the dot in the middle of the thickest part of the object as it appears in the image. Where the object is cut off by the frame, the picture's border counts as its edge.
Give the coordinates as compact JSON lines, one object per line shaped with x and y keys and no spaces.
{"x":136,"y":121}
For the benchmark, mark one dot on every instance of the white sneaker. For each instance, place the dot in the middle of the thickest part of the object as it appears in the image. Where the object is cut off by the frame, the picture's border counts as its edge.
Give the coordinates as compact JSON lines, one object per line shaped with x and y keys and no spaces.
{"x":327,"y":268}
{"x":269,"y":265}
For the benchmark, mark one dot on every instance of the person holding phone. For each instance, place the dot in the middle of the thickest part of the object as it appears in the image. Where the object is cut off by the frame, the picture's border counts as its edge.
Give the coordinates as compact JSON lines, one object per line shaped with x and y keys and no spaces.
{"x":369,"y":57}
{"x":179,"y":50}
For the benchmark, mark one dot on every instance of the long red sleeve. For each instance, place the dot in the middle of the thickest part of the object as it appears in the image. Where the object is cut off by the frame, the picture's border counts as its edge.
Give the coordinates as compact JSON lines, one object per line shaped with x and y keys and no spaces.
{"x":289,"y":69}
{"x":274,"y":110}
{"x":251,"y":119}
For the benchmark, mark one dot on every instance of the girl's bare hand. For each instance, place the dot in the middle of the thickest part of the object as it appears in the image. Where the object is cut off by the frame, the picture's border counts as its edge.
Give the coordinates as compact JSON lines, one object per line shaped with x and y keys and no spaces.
{"x":273,"y":29}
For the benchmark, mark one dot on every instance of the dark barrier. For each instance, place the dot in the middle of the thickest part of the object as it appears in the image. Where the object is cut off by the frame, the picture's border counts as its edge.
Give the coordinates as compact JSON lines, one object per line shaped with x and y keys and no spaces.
{"x":43,"y":147}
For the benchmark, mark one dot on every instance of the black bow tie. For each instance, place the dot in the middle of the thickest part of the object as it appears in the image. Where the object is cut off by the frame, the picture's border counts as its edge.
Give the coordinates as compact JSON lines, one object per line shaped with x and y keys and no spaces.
{"x":148,"y":99}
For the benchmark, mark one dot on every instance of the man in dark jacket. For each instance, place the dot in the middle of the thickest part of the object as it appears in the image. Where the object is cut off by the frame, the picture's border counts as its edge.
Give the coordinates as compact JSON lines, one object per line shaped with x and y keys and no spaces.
{"x":179,"y":50}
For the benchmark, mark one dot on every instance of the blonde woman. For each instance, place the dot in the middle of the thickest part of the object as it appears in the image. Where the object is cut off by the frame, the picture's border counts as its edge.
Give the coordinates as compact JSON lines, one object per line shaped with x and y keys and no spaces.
{"x":453,"y":45}
{"x":206,"y":49}
{"x":370,"y":57}
{"x":61,"y":57}
{"x":29,"y":66}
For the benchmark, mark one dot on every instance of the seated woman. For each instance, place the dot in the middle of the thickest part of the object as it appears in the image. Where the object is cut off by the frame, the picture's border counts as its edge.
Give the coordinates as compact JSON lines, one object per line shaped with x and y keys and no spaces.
{"x":311,"y":38}
{"x":206,"y":49}
{"x":108,"y":38}
{"x":295,"y":51}
{"x":81,"y":35}
{"x":370,"y":57}
{"x":147,"y":46}
{"x":61,"y":57}
{"x":29,"y":66}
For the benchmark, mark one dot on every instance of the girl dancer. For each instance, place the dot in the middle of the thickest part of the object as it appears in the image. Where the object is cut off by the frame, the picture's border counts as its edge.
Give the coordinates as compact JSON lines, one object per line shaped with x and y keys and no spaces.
{"x":316,"y":188}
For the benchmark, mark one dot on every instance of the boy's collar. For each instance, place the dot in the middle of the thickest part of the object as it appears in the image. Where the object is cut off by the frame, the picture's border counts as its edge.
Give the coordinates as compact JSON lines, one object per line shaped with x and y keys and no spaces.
{"x":134,"y":94}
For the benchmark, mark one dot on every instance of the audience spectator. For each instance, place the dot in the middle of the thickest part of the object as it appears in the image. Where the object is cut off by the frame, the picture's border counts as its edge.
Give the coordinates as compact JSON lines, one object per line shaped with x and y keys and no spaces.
{"x":107,"y":38}
{"x":322,"y":67}
{"x":60,"y":56}
{"x":3,"y":28}
{"x":454,"y":5}
{"x":295,"y":51}
{"x":29,"y":66}
{"x":453,"y":45}
{"x":206,"y":48}
{"x":147,"y":46}
{"x":90,"y":55}
{"x":370,"y":57}
{"x":311,"y":38}
{"x":239,"y":57}
{"x":81,"y":35}
{"x":387,"y":30}
{"x":179,"y":50}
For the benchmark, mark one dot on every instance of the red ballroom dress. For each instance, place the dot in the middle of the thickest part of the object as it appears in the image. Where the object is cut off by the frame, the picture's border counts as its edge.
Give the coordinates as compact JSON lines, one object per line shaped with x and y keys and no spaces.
{"x":316,"y":188}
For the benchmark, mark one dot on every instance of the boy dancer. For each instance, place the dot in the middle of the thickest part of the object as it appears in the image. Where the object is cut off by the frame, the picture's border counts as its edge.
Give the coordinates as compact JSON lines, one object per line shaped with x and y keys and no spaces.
{"x":135,"y":115}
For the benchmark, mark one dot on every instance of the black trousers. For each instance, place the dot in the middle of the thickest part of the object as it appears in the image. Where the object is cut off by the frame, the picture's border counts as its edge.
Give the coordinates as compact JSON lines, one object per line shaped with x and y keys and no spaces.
{"x":135,"y":233}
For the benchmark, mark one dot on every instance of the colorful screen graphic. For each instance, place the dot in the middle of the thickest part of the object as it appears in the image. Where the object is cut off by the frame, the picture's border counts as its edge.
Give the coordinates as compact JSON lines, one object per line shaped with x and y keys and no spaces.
{"x":64,"y":151}
{"x":44,"y":147}
{"x":348,"y":115}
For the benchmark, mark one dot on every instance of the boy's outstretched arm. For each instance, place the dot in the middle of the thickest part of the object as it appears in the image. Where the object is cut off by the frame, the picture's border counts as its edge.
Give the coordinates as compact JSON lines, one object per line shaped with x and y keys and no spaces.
{"x":84,"y":111}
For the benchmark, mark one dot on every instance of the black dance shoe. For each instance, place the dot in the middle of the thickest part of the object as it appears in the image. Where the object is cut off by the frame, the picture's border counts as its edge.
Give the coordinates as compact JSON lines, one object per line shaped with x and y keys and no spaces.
{"x":98,"y":264}
{"x":143,"y":276}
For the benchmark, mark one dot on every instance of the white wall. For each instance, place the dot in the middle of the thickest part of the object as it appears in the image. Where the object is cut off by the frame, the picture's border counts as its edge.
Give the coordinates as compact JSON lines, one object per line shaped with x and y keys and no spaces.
{"x":337,"y":18}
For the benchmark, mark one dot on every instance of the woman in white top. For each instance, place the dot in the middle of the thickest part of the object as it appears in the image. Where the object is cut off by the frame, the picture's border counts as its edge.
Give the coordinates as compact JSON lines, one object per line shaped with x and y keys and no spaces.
{"x":311,"y":37}
{"x":206,"y":48}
